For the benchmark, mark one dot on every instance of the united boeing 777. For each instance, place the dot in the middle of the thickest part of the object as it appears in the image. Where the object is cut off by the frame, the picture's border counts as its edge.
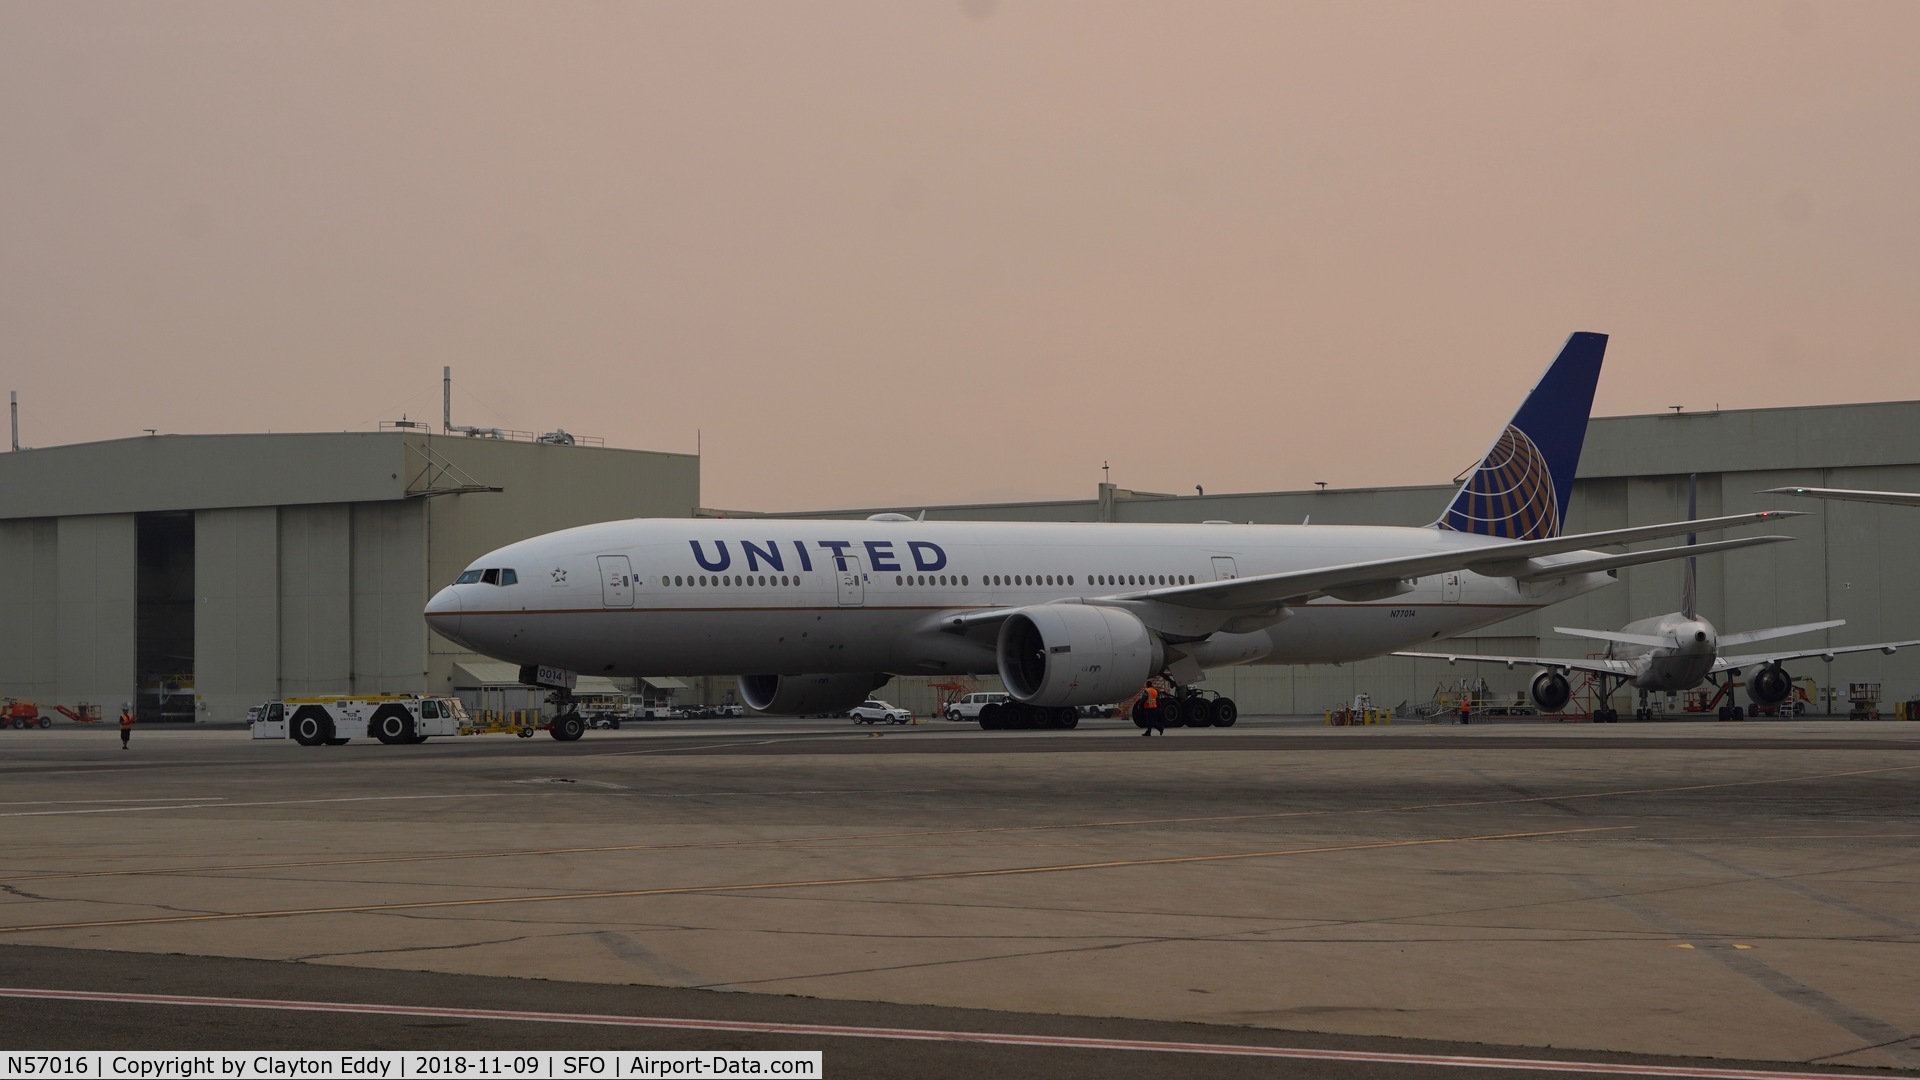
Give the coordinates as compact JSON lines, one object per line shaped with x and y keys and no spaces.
{"x":813,"y":615}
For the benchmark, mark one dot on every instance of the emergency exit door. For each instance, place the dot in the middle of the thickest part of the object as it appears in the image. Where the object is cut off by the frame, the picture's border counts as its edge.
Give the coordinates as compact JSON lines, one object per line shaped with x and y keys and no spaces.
{"x":616,"y":582}
{"x":1223,"y":568}
{"x":1450,"y":587}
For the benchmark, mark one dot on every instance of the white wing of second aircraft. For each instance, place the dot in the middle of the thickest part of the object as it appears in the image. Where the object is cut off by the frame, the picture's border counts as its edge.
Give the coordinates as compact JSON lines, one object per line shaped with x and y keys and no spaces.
{"x":1563,"y":664}
{"x":1896,"y":498}
{"x":1726,"y":663}
{"x":1604,"y":666}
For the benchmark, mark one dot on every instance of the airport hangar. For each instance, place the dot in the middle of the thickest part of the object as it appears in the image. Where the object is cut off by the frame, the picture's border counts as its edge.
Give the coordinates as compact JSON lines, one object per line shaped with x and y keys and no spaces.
{"x":255,"y":566}
{"x":203,"y":574}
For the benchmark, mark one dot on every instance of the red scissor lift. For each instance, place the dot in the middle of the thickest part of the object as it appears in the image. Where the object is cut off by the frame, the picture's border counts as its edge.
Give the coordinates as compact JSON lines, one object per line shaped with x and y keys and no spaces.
{"x":21,"y":715}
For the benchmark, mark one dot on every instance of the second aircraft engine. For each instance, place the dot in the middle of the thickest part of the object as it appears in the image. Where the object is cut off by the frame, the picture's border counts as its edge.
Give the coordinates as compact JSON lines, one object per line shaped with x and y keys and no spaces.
{"x":1076,"y":654}
{"x":1550,"y":691}
{"x":1769,"y":685}
{"x":800,"y":695}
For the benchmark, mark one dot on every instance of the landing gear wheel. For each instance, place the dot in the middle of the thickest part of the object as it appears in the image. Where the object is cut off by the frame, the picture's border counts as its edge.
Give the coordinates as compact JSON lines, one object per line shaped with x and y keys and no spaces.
{"x":1199,"y":711}
{"x":1225,"y":712}
{"x":1739,"y":713}
{"x":990,"y":716}
{"x":568,"y":728}
{"x":1140,"y":719}
{"x":1726,"y":712}
{"x":1069,"y":719}
{"x":1170,"y":714}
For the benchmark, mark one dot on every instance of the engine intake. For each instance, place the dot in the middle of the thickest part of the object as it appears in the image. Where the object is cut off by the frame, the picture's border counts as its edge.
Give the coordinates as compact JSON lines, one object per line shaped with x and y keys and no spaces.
{"x":1769,"y":685}
{"x":1550,"y":691}
{"x":798,"y":695}
{"x":1076,"y":654}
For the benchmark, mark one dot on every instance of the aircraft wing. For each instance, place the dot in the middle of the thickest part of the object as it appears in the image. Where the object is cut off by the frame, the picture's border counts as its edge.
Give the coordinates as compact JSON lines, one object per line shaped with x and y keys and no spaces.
{"x":1528,"y":560}
{"x":1897,"y":498}
{"x":1553,"y":568}
{"x":1562,"y":664}
{"x":1524,"y":559}
{"x":1725,"y":663}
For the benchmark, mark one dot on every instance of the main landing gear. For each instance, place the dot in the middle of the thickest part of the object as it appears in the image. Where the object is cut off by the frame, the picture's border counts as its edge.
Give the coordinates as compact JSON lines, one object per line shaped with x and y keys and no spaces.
{"x":1606,"y":713}
{"x":567,"y":723}
{"x":1190,"y":708}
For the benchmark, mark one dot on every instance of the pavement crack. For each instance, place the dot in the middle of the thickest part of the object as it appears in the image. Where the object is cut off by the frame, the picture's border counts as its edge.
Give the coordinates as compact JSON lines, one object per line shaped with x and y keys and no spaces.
{"x":401,"y":949}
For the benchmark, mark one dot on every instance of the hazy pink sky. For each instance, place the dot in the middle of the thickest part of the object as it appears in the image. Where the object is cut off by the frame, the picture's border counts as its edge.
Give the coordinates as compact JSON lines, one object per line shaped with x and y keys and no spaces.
{"x":953,"y":251}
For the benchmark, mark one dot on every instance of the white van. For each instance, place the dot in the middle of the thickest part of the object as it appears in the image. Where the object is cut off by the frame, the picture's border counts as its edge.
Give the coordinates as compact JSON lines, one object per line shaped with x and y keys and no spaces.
{"x":969,"y":706}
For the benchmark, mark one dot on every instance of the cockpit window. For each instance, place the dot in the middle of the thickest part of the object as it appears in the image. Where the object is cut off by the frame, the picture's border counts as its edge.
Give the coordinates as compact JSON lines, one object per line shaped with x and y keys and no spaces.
{"x":467,"y":578}
{"x":508,"y":577}
{"x":490,"y":576}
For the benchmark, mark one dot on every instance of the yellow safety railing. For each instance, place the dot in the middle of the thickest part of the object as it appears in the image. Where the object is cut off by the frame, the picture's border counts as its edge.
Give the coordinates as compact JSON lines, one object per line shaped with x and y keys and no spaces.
{"x":502,"y":722}
{"x":1356,"y":717}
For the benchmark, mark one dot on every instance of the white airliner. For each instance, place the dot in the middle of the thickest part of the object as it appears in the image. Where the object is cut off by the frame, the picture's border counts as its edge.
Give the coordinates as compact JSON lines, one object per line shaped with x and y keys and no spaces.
{"x":1671,"y":653}
{"x":814,"y":615}
{"x":1668,"y":654}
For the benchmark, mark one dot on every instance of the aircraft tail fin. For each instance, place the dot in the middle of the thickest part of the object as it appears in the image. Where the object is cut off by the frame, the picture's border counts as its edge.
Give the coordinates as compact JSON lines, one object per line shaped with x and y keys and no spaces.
{"x":1689,"y":583}
{"x":1519,"y":491}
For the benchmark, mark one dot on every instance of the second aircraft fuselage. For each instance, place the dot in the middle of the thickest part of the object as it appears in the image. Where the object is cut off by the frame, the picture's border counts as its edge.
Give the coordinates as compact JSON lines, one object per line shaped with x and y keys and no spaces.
{"x":1682,"y":665}
{"x":768,"y":596}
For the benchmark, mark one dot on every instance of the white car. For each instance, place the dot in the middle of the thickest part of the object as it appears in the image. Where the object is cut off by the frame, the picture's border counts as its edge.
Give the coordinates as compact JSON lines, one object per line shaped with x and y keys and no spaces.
{"x":879,"y":712}
{"x":969,"y":706}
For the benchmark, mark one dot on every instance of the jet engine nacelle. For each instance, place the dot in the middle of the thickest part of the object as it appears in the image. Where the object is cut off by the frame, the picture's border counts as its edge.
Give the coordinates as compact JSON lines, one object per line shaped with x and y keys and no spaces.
{"x":1550,"y":691}
{"x":1769,"y":685}
{"x":798,"y":695}
{"x":1076,"y":654}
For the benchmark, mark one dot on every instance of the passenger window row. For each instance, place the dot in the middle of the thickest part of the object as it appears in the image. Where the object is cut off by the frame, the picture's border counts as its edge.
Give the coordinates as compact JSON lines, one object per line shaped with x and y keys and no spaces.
{"x":733,"y":580}
{"x":508,"y":577}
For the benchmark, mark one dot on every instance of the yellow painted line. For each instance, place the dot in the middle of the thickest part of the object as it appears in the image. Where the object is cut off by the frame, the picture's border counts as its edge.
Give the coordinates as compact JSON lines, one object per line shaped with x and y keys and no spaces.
{"x":514,"y":853}
{"x":760,"y":886}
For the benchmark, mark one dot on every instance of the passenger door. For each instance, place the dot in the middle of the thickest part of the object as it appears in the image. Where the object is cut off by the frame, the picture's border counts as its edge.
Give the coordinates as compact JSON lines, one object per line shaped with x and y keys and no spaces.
{"x":1450,"y":587}
{"x":616,"y":582}
{"x":853,"y":582}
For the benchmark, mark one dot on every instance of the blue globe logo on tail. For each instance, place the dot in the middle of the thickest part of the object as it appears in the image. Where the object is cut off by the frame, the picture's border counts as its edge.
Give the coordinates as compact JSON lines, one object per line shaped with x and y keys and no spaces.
{"x":1511,"y":495}
{"x":1519,"y":491}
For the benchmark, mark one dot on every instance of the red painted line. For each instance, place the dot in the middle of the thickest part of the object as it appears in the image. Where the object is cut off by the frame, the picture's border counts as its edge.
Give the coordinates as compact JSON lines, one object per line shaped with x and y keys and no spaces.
{"x":994,"y":1038}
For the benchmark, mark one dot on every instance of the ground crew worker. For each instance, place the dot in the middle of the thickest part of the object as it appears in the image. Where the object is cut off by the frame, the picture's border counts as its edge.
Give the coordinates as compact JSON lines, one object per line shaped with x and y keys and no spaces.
{"x":1150,"y":709}
{"x":126,"y":726}
{"x":1466,"y":709}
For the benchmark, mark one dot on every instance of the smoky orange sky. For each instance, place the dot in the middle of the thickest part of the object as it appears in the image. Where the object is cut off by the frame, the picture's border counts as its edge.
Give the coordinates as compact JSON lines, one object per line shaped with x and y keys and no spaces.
{"x":888,"y":253}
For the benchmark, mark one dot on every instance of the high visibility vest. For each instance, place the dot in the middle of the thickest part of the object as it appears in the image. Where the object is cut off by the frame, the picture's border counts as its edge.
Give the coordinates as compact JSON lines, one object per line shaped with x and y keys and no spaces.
{"x":1153,"y":698}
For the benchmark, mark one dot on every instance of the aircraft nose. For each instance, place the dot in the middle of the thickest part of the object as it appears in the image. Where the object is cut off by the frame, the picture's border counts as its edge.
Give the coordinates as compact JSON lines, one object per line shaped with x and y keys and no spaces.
{"x":443,"y":614}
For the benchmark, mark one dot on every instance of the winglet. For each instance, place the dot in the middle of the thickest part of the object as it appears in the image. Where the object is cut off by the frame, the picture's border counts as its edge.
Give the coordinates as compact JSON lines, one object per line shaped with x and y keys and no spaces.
{"x":1520,"y":489}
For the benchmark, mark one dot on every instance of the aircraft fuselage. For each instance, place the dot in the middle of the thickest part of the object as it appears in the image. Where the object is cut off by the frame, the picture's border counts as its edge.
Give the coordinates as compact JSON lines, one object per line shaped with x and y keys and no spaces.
{"x":763,"y":596}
